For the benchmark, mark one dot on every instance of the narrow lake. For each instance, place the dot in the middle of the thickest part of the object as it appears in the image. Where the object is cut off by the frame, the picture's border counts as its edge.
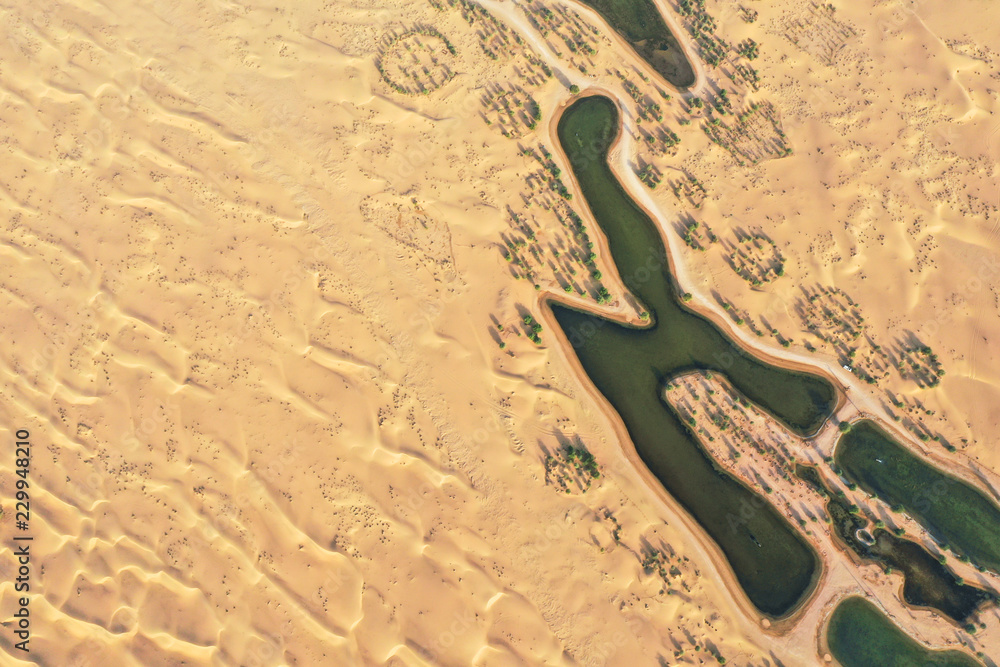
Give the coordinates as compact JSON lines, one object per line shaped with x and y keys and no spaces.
{"x":953,"y":511}
{"x":630,"y":366}
{"x":860,"y":635}
{"x":643,"y":27}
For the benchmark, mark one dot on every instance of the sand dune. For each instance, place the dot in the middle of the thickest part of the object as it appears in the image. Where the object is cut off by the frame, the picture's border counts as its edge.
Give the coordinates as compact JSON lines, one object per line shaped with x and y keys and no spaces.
{"x":254,"y":292}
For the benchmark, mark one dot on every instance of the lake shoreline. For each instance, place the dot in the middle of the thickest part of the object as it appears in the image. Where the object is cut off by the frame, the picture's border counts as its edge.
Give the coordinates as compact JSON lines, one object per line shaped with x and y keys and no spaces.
{"x":625,"y":312}
{"x":944,"y":656}
{"x":622,"y":314}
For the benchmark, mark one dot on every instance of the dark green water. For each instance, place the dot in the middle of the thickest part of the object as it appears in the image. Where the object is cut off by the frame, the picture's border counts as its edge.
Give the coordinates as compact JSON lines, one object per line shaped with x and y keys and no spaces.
{"x":949,"y":508}
{"x":927,"y":583}
{"x":860,"y":635}
{"x":640,"y":23}
{"x":630,"y":366}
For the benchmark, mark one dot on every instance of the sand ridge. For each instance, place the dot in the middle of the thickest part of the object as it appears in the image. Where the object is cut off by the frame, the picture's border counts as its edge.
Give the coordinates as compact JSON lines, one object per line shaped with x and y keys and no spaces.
{"x":250,"y":293}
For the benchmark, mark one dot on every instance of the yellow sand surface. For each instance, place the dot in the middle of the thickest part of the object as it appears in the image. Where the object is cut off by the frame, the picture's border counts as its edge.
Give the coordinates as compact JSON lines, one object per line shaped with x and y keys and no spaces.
{"x":259,"y":260}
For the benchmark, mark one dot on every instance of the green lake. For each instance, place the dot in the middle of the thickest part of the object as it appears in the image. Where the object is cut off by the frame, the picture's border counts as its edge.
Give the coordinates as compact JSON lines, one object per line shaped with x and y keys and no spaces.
{"x":630,"y":366}
{"x":643,"y":27}
{"x":952,"y":510}
{"x":927,"y":583}
{"x":860,"y":635}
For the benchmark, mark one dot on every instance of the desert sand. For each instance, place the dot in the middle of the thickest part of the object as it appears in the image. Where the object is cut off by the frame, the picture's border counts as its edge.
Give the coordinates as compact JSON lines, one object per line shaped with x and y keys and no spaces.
{"x":265,"y":281}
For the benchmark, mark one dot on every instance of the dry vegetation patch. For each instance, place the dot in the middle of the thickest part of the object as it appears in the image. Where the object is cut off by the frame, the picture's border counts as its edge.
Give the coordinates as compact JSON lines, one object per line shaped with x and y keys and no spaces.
{"x":416,"y":61}
{"x":815,"y":28}
{"x":571,"y":468}
{"x":755,"y":258}
{"x":510,"y":109}
{"x":751,"y":136}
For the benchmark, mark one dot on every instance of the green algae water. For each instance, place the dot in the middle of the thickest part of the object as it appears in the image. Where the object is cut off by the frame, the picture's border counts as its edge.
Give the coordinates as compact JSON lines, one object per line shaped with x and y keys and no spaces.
{"x":953,"y":511}
{"x":630,"y":367}
{"x":642,"y":25}
{"x":926,"y":582}
{"x":859,"y":635}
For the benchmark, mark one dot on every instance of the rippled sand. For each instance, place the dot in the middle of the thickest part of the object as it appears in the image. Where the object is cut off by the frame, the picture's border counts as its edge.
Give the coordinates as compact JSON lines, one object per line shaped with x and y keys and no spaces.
{"x":251,"y":295}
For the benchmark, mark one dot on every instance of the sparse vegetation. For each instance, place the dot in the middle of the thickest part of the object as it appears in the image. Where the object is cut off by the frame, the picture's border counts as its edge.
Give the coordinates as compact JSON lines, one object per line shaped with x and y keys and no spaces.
{"x":756,"y":134}
{"x":417,"y":61}
{"x":755,"y":258}
{"x":835,"y":319}
{"x":815,"y":29}
{"x":571,"y":468}
{"x":562,"y":27}
{"x":650,"y":176}
{"x":510,"y":109}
